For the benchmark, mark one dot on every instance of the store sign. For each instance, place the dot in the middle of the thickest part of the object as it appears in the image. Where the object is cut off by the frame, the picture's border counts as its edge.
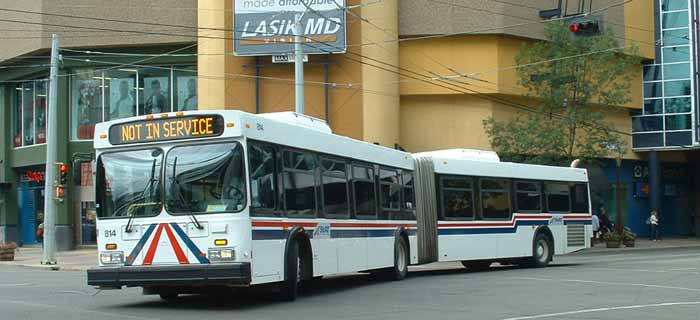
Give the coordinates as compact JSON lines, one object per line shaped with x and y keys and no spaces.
{"x":189,"y":127}
{"x":266,"y":27}
{"x":35,"y":176}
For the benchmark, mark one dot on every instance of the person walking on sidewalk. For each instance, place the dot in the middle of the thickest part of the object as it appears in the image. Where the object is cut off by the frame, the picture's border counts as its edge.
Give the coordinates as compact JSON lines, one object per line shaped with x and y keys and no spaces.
{"x":596,"y":228}
{"x":654,"y":224}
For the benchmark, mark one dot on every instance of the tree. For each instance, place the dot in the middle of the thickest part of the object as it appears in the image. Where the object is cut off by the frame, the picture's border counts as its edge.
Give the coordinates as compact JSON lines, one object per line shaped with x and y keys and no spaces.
{"x":573,"y":80}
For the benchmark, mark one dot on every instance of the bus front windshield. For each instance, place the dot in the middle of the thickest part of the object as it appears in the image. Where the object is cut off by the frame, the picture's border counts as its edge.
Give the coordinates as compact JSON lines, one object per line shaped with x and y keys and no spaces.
{"x":129,"y":183}
{"x":206,"y":178}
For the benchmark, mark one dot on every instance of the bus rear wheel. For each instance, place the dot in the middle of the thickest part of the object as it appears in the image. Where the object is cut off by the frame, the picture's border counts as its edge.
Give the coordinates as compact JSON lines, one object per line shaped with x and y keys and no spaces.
{"x":541,"y":251}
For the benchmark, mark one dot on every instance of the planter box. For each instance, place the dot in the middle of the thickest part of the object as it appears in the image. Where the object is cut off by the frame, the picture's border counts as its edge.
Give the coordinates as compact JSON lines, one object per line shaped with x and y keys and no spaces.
{"x":7,"y":255}
{"x":628,"y":243}
{"x":613,"y":244}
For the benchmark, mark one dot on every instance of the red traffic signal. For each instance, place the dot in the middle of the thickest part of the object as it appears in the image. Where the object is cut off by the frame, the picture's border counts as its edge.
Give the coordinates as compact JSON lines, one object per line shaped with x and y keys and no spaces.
{"x":62,"y":173}
{"x":586,"y":28}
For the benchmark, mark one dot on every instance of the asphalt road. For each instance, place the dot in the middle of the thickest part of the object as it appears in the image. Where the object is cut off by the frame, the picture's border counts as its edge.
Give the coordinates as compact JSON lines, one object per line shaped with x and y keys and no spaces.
{"x":639,"y":285}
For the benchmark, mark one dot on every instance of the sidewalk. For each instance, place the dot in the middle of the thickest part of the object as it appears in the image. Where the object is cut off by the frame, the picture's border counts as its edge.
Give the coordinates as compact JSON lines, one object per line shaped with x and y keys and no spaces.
{"x":83,"y":259}
{"x":643,"y":244}
{"x":74,"y":260}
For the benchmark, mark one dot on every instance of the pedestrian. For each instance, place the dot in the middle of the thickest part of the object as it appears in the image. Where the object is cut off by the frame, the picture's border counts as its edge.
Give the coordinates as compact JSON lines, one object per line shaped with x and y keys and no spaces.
{"x":596,"y":228}
{"x":654,"y":224}
{"x":605,"y":224}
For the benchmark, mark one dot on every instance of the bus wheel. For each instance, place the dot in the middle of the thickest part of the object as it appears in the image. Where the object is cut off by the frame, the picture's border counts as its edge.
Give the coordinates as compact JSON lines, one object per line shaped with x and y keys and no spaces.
{"x":169,"y":297}
{"x":401,"y":260}
{"x":476,"y":266}
{"x":289,"y":288}
{"x":541,"y":251}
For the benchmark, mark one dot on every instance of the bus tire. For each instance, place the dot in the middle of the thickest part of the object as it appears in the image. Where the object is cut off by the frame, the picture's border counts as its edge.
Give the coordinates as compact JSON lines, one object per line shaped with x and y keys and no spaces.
{"x":476,"y":266}
{"x":401,"y":259}
{"x":289,"y":288}
{"x":542,"y":251}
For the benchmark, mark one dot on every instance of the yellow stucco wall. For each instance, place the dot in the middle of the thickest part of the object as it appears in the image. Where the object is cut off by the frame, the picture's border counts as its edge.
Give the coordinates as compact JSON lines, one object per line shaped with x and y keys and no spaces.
{"x":639,"y":26}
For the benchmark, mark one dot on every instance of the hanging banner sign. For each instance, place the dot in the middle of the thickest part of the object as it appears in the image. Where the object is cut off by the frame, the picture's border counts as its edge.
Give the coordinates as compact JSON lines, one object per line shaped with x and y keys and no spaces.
{"x":266,"y":27}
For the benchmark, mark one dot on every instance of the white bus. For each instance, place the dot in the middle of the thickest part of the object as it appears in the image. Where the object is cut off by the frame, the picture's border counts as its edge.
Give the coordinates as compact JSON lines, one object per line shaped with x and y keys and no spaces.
{"x":204,"y":199}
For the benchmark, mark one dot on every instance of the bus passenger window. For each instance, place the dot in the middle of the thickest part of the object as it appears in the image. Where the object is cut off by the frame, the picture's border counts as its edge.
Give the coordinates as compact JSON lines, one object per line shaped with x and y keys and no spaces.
{"x":299,"y":183}
{"x":408,"y":195}
{"x":390,"y":194}
{"x":363,"y":188}
{"x":457,"y":198}
{"x":557,"y":197}
{"x":579,"y":198}
{"x":527,"y":196}
{"x":262,"y":179}
{"x":335,"y":188}
{"x":495,"y":199}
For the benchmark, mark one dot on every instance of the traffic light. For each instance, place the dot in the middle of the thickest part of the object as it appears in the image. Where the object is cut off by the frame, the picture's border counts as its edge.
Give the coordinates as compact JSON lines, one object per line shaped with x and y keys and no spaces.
{"x":585,"y":27}
{"x":61,"y":181}
{"x":62,"y":173}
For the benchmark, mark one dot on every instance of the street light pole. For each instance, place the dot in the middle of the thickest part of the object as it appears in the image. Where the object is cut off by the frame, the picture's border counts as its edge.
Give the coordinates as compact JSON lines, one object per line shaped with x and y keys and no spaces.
{"x":298,"y":65}
{"x":50,"y":184}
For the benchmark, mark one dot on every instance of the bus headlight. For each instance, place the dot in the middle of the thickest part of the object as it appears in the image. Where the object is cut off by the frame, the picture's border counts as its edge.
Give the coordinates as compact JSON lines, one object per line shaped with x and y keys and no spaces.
{"x":222,"y":254}
{"x":114,"y":257}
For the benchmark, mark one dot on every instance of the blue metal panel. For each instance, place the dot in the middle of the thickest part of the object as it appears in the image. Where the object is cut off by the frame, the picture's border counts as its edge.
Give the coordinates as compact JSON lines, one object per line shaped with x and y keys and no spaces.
{"x":27,"y":215}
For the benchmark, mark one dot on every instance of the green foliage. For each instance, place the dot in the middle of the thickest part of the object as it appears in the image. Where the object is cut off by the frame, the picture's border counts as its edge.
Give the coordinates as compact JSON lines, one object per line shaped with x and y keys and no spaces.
{"x":571,"y":95}
{"x":628,"y":235}
{"x":612,"y":237}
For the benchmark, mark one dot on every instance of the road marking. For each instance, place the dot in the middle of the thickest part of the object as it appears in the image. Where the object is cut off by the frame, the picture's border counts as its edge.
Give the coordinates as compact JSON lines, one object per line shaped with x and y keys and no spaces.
{"x":73,"y":309}
{"x":640,"y":270}
{"x":3,"y":285}
{"x":610,"y":283}
{"x":656,"y":305}
{"x":683,"y":269}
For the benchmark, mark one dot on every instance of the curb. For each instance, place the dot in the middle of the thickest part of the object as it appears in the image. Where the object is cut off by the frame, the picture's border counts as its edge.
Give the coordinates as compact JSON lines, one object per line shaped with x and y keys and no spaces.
{"x":56,"y":267}
{"x":611,"y":251}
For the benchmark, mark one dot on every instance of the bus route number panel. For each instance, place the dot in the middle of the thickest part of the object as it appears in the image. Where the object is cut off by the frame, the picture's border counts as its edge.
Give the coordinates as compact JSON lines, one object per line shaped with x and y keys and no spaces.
{"x":188,"y":127}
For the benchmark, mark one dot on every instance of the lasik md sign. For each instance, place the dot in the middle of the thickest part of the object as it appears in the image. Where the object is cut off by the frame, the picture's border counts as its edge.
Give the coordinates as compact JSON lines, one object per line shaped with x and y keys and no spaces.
{"x":266,"y":27}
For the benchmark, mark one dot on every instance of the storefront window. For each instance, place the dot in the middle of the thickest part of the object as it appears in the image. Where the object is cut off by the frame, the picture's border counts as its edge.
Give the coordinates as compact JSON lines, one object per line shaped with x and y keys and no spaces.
{"x":98,"y":96}
{"x":154,"y":90}
{"x":186,"y":96}
{"x":120,"y":93}
{"x":86,"y":102}
{"x":29,"y":113}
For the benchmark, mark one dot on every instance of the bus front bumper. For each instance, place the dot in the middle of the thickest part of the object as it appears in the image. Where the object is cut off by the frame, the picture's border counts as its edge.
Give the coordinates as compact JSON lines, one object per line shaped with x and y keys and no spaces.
{"x":233,"y":274}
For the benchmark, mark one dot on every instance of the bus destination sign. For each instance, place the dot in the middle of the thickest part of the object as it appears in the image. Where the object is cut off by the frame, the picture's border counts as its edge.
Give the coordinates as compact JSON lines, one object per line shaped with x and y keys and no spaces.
{"x":188,"y":127}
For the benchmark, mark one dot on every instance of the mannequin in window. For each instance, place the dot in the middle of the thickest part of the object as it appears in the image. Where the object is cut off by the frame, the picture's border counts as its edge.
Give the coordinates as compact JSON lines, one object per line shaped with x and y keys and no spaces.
{"x":124,"y":106}
{"x":190,"y":102}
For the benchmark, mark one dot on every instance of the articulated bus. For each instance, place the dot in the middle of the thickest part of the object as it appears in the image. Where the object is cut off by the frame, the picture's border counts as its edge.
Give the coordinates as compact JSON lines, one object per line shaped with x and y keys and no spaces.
{"x":188,"y":201}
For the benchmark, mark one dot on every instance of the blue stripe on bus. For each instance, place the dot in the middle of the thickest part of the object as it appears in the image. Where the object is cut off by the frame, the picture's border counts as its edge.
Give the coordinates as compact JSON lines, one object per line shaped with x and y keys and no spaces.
{"x":584,"y":222}
{"x":472,"y":230}
{"x":139,"y":246}
{"x":193,"y":247}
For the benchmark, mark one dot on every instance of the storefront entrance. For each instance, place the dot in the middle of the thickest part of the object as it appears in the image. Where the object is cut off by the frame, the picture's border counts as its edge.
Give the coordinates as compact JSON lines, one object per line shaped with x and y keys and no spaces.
{"x":31,"y":210}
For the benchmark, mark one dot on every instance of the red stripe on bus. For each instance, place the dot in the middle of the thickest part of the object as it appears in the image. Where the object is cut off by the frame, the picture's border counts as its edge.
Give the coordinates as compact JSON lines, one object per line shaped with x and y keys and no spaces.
{"x":181,"y":257}
{"x":371,"y":225}
{"x":148,"y":260}
{"x":495,"y":224}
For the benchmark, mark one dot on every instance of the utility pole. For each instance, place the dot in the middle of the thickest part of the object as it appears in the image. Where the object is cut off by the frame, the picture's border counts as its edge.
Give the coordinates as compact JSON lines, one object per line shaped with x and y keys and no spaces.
{"x":298,"y":65}
{"x":50,"y":201}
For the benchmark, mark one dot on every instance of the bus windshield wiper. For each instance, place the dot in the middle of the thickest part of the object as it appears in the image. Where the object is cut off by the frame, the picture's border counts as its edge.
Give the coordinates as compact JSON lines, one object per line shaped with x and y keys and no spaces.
{"x":181,"y":198}
{"x":142,"y":196}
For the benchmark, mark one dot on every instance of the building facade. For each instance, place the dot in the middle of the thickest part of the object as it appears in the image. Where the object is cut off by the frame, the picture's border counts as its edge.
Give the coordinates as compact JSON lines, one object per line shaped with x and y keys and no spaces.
{"x":138,"y":76}
{"x":386,"y":87}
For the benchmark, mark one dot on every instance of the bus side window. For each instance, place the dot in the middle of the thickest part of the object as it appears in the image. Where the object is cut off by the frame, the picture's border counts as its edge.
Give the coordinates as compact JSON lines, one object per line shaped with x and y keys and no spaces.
{"x":528,"y":196}
{"x":263,"y":186}
{"x":579,"y":198}
{"x":364,"y":191}
{"x":334,"y":182}
{"x":389,"y":193}
{"x":408,"y":205}
{"x":495,"y":199}
{"x":299,"y":178}
{"x":456,"y":198}
{"x":557,"y":195}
